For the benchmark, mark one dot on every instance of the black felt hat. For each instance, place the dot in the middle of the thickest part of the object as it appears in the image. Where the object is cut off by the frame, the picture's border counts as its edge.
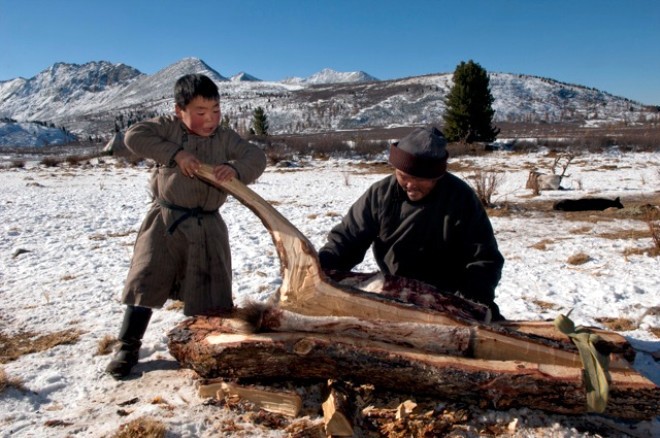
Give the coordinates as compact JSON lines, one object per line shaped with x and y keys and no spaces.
{"x":422,"y":153}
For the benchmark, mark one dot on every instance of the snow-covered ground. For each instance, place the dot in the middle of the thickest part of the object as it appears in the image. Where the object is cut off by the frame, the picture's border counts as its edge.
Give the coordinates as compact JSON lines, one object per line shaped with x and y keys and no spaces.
{"x":67,"y":243}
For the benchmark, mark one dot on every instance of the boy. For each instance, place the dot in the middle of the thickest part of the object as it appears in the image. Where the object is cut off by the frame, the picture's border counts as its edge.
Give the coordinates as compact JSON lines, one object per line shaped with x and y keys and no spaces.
{"x":182,"y":249}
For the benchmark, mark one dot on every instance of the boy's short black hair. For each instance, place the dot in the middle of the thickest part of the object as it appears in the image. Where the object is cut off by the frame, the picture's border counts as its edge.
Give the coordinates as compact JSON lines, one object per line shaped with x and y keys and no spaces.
{"x":190,"y":86}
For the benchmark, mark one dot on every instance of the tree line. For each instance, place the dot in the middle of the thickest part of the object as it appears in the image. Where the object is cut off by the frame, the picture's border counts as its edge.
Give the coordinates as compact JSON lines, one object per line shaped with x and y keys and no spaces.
{"x":468,"y":118}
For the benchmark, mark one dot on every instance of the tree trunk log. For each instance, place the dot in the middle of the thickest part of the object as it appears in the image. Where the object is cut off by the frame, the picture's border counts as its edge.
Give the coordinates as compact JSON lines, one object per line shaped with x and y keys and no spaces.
{"x":307,"y":290}
{"x":515,"y":363}
{"x":486,"y":383}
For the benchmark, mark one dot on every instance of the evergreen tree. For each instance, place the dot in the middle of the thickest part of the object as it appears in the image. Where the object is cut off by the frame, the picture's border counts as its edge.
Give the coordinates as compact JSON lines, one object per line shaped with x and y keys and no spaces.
{"x":469,"y":113}
{"x":259,"y":121}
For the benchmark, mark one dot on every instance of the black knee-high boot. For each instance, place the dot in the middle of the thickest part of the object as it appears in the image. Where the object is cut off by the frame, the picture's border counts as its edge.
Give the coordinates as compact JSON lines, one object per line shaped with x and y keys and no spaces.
{"x":136,"y":320}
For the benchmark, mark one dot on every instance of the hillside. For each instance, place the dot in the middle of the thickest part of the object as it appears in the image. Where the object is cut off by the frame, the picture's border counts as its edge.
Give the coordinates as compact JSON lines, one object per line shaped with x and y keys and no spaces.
{"x":96,"y":99}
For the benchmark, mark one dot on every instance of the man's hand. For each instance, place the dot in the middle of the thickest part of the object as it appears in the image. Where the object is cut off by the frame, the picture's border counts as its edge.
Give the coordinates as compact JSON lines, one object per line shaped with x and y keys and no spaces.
{"x":187,"y":162}
{"x":224,"y":172}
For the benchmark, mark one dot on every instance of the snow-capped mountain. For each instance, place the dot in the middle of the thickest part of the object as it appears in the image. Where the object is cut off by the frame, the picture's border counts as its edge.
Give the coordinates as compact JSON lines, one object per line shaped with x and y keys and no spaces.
{"x":63,"y":90}
{"x":330,"y":76}
{"x":30,"y":134}
{"x":242,"y":76}
{"x":98,"y":98}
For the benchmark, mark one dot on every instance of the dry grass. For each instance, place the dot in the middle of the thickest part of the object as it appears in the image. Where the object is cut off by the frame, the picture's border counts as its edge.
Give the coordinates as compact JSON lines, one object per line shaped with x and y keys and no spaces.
{"x":545,"y":305}
{"x":650,"y":251}
{"x":542,"y":245}
{"x":105,"y":345}
{"x":14,"y":346}
{"x":500,"y":210}
{"x":7,"y":382}
{"x":579,"y":259}
{"x":143,"y":427}
{"x":374,"y":167}
{"x":111,"y":235}
{"x":655,"y":331}
{"x":625,"y":235}
{"x":618,"y":324}
{"x":582,"y":230}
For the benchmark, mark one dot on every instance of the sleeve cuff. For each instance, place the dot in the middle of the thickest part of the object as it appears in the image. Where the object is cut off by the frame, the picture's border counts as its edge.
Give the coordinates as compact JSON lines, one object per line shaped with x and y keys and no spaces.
{"x":171,"y":162}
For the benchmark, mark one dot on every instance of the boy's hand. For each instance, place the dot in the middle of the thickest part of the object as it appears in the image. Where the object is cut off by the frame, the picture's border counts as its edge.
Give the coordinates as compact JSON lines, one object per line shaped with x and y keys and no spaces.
{"x":187,"y":162}
{"x":224,"y":172}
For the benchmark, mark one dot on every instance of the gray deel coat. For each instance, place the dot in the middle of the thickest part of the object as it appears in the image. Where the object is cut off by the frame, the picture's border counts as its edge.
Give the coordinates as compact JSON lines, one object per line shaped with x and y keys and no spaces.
{"x":178,"y":255}
{"x":445,"y":239}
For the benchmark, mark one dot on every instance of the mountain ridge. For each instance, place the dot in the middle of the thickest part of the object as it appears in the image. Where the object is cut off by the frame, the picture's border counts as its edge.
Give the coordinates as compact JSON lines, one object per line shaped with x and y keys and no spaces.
{"x":99,"y":98}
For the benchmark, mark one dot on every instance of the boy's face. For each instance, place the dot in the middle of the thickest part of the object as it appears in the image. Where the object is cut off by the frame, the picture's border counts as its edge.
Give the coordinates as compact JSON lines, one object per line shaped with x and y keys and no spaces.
{"x":201,"y":116}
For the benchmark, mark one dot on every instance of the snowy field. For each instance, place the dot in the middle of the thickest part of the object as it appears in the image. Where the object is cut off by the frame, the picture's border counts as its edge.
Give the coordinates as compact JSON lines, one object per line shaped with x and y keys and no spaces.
{"x":67,"y":243}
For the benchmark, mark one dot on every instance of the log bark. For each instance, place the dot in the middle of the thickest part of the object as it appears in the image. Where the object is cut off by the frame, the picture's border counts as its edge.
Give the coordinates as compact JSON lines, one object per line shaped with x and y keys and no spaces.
{"x":486,"y":383}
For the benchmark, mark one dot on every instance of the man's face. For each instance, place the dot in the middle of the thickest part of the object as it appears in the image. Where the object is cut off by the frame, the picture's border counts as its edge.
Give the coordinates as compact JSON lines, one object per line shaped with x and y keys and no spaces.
{"x":416,"y":188}
{"x":201,"y":116}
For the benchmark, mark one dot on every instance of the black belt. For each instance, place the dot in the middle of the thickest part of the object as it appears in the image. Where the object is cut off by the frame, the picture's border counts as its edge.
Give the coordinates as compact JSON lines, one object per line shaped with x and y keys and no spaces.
{"x":196,"y":212}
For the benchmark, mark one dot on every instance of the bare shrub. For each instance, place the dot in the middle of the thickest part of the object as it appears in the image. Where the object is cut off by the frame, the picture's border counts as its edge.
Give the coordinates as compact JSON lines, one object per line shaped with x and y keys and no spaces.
{"x":75,"y":160}
{"x":639,"y":141}
{"x":17,"y":164}
{"x":460,"y":149}
{"x":369,"y":149}
{"x":485,"y":185}
{"x":328,"y":147}
{"x":524,"y":146}
{"x":49,"y":162}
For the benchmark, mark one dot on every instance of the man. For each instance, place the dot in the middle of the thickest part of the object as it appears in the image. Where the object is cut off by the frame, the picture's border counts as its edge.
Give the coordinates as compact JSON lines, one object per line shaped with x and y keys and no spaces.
{"x":422,"y":223}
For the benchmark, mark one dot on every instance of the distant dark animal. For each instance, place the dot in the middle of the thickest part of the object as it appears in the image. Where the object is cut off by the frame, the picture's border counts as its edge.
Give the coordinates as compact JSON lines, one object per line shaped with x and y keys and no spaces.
{"x":585,"y":204}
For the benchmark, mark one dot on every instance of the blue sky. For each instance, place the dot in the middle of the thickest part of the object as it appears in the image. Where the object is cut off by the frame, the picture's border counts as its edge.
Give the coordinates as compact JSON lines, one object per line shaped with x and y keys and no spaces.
{"x":609,"y":45}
